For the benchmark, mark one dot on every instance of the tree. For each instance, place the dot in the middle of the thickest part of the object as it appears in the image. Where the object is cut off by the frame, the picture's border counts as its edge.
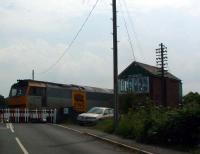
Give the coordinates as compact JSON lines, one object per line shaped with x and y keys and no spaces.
{"x":2,"y":99}
{"x":2,"y":102}
{"x":191,"y":97}
{"x":133,"y":101}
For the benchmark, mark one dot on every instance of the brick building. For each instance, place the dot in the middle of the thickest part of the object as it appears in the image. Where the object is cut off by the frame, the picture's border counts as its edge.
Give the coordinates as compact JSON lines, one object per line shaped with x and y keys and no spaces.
{"x":144,"y":79}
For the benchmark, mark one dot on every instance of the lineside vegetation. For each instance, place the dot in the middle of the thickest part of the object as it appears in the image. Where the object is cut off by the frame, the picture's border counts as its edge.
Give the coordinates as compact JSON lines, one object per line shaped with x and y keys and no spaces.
{"x":142,"y":121}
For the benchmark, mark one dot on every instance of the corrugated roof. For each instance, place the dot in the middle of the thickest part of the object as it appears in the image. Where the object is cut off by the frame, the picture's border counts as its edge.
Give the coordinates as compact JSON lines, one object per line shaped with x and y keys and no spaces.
{"x":151,"y":69}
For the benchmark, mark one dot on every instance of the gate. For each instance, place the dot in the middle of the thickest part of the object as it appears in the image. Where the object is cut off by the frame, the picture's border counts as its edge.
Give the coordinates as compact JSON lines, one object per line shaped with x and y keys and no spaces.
{"x":18,"y":115}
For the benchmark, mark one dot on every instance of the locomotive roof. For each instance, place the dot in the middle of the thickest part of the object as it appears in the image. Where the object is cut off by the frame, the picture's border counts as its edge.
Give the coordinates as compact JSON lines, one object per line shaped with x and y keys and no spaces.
{"x":68,"y":86}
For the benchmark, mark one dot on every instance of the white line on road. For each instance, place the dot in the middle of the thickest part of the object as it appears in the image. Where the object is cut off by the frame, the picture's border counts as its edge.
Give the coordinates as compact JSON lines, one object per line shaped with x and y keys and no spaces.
{"x":108,"y":140}
{"x":69,"y":128}
{"x":120,"y":144}
{"x":21,"y":146}
{"x":11,"y":127}
{"x":7,"y":126}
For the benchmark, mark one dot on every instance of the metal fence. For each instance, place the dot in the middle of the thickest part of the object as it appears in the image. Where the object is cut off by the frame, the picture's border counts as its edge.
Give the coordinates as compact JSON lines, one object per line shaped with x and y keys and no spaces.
{"x":18,"y":115}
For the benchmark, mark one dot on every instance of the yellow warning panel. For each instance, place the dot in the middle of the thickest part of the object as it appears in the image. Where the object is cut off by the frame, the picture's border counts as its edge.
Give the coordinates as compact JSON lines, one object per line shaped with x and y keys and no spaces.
{"x":79,"y":101}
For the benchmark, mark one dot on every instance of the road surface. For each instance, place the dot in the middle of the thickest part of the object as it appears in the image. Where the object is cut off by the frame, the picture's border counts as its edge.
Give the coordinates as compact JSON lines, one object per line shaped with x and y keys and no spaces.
{"x":50,"y":139}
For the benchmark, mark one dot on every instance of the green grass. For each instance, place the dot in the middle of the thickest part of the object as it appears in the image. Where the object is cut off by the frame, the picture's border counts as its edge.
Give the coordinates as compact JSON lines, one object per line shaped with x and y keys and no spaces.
{"x":105,"y":125}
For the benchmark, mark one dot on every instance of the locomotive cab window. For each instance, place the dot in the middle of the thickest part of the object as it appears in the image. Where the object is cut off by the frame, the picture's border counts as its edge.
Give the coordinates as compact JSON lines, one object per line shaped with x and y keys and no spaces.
{"x":21,"y":91}
{"x":18,"y":91}
{"x":35,"y":91}
{"x":13,"y":92}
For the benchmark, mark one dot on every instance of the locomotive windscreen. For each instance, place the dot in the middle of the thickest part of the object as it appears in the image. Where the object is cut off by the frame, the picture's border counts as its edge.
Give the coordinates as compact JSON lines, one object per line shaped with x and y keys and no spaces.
{"x":18,"y":89}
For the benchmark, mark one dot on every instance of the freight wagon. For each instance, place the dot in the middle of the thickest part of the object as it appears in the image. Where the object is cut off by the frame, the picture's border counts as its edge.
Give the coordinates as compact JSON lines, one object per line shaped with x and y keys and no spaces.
{"x":34,"y":94}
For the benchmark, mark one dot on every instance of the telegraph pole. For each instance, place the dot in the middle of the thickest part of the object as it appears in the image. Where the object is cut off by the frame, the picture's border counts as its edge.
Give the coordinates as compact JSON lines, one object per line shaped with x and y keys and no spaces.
{"x":115,"y":64}
{"x":162,"y":63}
{"x":33,"y":74}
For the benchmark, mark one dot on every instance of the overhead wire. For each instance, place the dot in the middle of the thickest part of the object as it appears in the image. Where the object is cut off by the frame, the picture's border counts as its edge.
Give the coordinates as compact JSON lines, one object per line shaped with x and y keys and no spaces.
{"x":133,"y":27}
{"x":127,"y":31}
{"x":72,"y":41}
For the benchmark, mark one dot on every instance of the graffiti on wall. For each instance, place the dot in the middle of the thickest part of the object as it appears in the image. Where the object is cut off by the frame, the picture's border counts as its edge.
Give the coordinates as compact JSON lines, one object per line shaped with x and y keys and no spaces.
{"x":136,"y":84}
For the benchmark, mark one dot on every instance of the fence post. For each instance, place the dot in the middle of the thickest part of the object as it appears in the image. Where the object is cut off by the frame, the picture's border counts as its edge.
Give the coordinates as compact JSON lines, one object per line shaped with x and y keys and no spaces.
{"x":25,"y":114}
{"x":51,"y":116}
{"x":15,"y":115}
{"x":8,"y":115}
{"x":36,"y":114}
{"x":28,"y":115}
{"x":44,"y":114}
{"x":3,"y":114}
{"x":0,"y":115}
{"x":18,"y":115}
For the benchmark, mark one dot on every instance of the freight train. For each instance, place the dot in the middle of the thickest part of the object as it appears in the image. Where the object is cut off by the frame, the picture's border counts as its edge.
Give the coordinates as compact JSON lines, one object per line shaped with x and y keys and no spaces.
{"x":34,"y":94}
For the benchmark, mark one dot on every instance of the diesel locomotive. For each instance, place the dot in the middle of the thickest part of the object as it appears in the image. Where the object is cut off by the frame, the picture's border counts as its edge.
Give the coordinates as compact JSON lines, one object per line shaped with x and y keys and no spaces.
{"x":34,"y":94}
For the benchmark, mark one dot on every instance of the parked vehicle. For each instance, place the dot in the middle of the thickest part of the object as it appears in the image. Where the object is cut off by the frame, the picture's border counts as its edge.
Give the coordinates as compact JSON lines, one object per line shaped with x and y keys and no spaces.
{"x":94,"y":115}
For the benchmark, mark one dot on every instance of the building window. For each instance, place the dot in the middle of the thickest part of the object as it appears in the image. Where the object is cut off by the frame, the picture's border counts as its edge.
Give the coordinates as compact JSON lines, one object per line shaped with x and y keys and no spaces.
{"x":136,"y":84}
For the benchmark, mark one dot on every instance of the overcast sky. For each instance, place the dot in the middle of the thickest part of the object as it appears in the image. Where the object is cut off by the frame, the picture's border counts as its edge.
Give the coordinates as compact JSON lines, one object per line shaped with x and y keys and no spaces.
{"x":35,"y":33}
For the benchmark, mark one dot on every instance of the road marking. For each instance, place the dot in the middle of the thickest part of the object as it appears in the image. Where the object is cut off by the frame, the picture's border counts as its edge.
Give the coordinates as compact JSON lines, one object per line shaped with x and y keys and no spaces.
{"x":120,"y":144}
{"x":7,"y":126}
{"x":69,"y":128}
{"x":11,"y":127}
{"x":21,"y":146}
{"x":108,"y":140}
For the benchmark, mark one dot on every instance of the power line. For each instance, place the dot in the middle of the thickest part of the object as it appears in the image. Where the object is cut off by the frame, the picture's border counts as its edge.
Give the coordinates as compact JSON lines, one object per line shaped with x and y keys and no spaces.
{"x":73,"y":40}
{"x":133,"y":27}
{"x":129,"y":37}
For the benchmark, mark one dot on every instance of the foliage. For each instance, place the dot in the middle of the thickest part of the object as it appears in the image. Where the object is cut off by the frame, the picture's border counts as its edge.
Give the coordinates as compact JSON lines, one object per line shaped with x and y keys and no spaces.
{"x":191,"y":97}
{"x":105,"y":125}
{"x":182,"y":126}
{"x":161,"y":126}
{"x":2,"y":99}
{"x":144,"y":122}
{"x":2,"y":102}
{"x":131,"y":101}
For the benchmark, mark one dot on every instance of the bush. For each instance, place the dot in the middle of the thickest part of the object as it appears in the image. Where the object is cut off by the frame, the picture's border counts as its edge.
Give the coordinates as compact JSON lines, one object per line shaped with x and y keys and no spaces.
{"x":182,"y":127}
{"x":160,"y":126}
{"x":2,"y":102}
{"x":147,"y":123}
{"x":131,"y":101}
{"x":2,"y":99}
{"x":105,"y":125}
{"x":191,"y":98}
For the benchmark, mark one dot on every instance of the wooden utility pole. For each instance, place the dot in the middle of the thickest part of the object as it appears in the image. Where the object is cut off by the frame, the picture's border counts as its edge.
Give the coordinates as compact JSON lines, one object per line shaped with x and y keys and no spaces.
{"x":162,"y":63}
{"x":115,"y":64}
{"x":33,"y":74}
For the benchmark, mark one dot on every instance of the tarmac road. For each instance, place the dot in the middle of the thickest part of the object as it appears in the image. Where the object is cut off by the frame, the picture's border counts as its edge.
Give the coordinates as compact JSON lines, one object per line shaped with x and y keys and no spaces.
{"x":50,"y":139}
